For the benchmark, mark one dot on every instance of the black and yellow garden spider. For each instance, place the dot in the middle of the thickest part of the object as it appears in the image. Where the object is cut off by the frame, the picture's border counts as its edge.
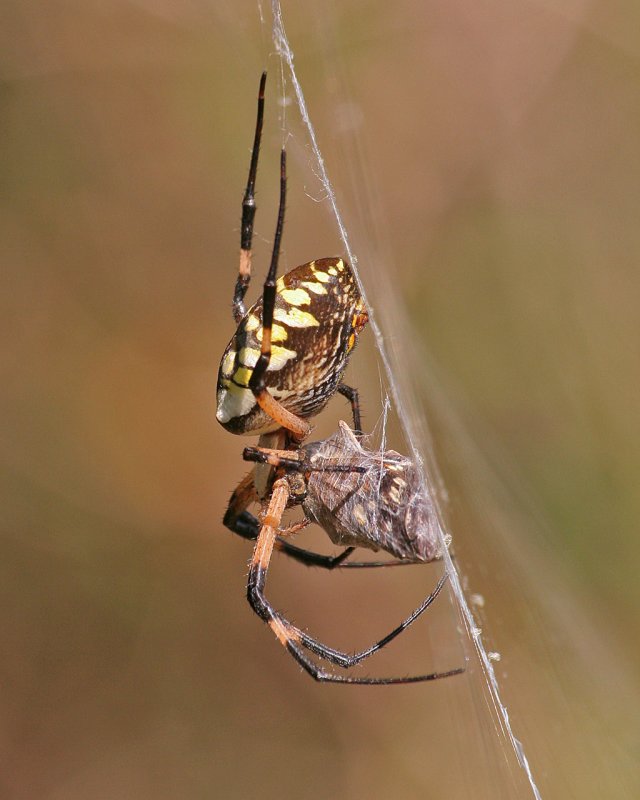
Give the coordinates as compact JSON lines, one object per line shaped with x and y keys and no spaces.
{"x":283,"y":364}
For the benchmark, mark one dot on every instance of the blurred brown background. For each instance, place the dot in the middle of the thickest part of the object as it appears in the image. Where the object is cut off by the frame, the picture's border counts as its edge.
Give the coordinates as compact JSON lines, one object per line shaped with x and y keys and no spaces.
{"x":487,"y":156}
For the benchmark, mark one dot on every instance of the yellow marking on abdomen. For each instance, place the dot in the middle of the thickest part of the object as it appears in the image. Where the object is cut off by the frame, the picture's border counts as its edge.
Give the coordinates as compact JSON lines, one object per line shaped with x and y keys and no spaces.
{"x":248,"y":358}
{"x":295,"y":318}
{"x":227,"y":363}
{"x":278,"y":333}
{"x":312,"y":286}
{"x":241,"y":376}
{"x":280,"y":356}
{"x":252,"y":323}
{"x":296,"y":297}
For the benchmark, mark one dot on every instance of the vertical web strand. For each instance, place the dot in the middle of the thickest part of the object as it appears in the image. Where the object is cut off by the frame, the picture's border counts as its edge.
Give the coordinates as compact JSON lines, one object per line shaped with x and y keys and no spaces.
{"x":283,"y":49}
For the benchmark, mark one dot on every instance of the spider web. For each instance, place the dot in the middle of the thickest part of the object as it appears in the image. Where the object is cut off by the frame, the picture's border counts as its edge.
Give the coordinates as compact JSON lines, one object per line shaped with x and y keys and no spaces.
{"x":414,"y":428}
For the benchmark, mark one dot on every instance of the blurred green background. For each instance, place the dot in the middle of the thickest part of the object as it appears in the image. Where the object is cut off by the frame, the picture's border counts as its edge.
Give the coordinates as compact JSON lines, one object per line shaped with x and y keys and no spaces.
{"x":487,"y":156}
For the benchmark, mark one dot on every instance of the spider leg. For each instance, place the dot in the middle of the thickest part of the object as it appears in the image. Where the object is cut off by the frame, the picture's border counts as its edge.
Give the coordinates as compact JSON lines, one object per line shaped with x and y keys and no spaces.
{"x":236,"y":517}
{"x":353,"y":397}
{"x":291,"y":637}
{"x":241,"y":522}
{"x":322,"y":676}
{"x":298,"y":427}
{"x":347,"y":660}
{"x":311,"y":559}
{"x":261,"y":558}
{"x":244,"y":524}
{"x":291,"y":462}
{"x":248,"y":214}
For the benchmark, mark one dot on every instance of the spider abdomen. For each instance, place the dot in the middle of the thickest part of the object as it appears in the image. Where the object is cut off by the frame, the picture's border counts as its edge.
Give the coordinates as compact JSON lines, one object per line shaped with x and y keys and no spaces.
{"x":317,"y":317}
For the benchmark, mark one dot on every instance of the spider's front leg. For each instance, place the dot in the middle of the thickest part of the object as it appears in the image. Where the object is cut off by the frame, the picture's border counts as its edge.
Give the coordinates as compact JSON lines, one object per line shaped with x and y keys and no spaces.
{"x":298,"y":427}
{"x":248,"y":214}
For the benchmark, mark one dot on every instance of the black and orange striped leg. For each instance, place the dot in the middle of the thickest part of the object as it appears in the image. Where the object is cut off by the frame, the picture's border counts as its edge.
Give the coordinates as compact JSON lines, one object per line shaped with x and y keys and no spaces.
{"x":296,"y":640}
{"x":247,"y":526}
{"x":262,"y":553}
{"x":248,"y":214}
{"x":241,"y":522}
{"x":291,"y":462}
{"x":321,"y":675}
{"x":348,"y":660}
{"x":236,"y":517}
{"x":297,"y":426}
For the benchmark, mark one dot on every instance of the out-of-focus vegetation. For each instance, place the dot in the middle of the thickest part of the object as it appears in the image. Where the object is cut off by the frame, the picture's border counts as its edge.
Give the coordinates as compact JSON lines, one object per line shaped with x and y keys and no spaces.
{"x":503,"y":142}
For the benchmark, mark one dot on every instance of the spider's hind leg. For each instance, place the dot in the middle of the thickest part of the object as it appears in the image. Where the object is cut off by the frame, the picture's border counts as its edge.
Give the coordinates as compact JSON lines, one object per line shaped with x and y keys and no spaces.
{"x":295,"y":640}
